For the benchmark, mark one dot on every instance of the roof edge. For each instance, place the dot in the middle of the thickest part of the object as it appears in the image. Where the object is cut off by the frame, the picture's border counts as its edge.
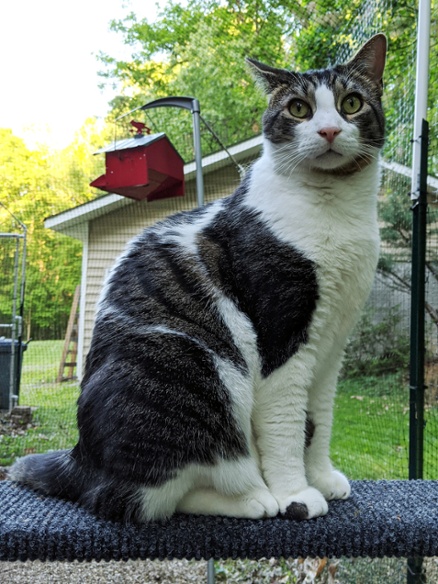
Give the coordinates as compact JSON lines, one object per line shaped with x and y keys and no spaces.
{"x":68,"y":221}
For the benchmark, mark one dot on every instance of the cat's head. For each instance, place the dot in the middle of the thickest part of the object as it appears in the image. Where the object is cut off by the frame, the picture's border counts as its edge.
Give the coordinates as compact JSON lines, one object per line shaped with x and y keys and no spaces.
{"x":328,"y":120}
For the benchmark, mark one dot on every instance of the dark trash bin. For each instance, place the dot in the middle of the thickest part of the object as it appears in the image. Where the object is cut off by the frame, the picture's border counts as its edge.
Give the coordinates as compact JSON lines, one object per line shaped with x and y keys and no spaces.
{"x":5,"y":369}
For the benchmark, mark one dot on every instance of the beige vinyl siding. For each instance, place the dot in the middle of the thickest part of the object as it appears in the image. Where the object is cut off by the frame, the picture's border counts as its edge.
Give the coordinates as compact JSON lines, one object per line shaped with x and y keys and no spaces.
{"x":109,"y":234}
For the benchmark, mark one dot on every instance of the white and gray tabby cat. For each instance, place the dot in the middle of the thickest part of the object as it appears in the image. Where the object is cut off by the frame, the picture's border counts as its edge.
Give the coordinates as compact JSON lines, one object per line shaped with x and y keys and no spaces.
{"x":220,"y":332}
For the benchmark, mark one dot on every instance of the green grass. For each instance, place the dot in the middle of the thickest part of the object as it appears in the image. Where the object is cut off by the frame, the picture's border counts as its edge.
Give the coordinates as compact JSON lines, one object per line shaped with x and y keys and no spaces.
{"x":370,"y":432}
{"x":54,"y":420}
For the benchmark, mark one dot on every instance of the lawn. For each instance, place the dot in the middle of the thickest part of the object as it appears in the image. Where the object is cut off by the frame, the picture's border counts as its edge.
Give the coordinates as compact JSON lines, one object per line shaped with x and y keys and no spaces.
{"x":370,"y":433}
{"x":54,"y":419}
{"x":371,"y":428}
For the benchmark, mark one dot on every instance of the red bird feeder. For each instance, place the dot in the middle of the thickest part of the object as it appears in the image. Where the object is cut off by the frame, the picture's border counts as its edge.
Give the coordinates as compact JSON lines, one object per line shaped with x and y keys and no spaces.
{"x":142,"y":167}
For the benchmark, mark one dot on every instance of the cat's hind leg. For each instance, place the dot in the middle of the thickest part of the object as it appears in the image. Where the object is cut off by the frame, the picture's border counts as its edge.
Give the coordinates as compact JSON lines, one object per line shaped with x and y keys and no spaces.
{"x":161,"y":502}
{"x":232,"y":488}
{"x":252,"y":505}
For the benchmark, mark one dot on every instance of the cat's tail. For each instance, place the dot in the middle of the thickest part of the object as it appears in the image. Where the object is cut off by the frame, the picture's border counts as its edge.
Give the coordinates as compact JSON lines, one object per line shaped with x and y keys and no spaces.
{"x":62,"y":474}
{"x":54,"y":474}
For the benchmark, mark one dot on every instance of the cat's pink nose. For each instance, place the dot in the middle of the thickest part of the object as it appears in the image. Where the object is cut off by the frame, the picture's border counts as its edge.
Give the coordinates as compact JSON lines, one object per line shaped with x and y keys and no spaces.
{"x":329,"y":133}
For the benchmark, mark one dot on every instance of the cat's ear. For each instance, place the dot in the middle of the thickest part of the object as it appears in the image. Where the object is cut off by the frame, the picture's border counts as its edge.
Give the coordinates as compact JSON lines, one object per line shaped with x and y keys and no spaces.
{"x":370,"y":59}
{"x":269,"y":78}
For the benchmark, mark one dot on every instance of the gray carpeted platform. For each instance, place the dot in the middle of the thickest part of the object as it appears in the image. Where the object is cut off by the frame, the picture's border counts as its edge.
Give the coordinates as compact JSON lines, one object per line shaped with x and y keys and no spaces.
{"x":382,"y":518}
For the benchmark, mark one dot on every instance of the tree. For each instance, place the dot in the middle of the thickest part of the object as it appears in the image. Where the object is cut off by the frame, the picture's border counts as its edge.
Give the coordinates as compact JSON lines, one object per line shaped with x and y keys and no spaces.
{"x":199,"y":49}
{"x":35,"y":185}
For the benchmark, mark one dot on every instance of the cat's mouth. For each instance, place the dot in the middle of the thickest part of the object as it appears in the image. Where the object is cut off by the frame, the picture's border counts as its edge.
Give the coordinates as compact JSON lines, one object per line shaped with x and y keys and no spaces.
{"x":330,"y":152}
{"x":330,"y":157}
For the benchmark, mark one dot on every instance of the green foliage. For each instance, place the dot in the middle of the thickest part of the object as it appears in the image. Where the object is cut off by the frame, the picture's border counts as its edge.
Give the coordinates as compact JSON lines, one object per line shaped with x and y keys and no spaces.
{"x":395,"y":213}
{"x":377,"y":347}
{"x":199,"y":49}
{"x":34,"y":186}
{"x":396,"y":234}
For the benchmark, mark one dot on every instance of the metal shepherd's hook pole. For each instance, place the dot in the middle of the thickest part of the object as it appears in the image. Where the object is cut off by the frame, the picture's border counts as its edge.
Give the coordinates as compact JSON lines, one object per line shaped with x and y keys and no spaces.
{"x":191,"y":104}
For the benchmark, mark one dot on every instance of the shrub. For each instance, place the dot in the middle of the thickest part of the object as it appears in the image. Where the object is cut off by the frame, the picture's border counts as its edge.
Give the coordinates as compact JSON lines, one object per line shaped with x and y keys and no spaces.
{"x":377,"y":347}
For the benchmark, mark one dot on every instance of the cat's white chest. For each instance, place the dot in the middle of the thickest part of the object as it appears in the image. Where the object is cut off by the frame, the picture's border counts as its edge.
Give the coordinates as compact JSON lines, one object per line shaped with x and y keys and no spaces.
{"x":333,"y":223}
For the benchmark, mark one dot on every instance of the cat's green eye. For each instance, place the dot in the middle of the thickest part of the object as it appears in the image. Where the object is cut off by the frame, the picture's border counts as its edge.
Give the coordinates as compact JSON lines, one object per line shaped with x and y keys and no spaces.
{"x":299,"y":109}
{"x":351,"y":104}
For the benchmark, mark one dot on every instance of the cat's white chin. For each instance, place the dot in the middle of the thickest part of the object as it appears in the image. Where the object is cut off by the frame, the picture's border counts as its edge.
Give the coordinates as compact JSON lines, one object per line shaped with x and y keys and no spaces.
{"x":330,"y":160}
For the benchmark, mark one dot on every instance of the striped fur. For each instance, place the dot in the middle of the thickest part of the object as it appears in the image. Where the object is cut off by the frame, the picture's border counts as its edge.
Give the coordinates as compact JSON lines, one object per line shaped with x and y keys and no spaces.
{"x":219,"y":334}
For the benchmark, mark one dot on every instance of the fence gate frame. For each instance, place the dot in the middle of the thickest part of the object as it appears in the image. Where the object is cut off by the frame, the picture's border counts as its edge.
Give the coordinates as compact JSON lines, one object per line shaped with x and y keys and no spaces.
{"x":420,"y":139}
{"x":15,"y":326}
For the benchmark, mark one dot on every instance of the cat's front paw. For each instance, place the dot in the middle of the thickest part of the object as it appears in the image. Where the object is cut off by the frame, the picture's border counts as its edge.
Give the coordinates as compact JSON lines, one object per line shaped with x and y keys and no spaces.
{"x":260,"y":503}
{"x":305,"y":504}
{"x":332,"y":484}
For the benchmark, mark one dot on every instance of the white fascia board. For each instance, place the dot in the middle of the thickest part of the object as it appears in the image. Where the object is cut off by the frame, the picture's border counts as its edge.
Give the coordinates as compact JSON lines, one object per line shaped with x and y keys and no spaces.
{"x":71,"y":222}
{"x":220,"y":159}
{"x":80,"y":357}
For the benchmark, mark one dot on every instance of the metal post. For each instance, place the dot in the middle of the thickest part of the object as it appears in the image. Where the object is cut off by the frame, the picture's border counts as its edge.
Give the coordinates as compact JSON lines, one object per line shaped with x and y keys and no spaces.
{"x":191,"y":104}
{"x":417,"y":341}
{"x":417,"y":344}
{"x":20,"y":318}
{"x":415,"y":573}
{"x":210,"y":572}
{"x":12,"y":373}
{"x":196,"y":110}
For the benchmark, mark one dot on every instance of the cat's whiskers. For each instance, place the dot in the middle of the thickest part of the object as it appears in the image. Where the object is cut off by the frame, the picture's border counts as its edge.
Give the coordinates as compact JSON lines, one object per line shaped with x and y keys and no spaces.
{"x":367,"y":152}
{"x":287,"y":166}
{"x":286,"y":160}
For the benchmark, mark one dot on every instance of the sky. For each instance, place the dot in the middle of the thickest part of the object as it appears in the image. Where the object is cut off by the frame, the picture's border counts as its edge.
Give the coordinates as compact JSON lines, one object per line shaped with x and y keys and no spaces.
{"x":48,"y":66}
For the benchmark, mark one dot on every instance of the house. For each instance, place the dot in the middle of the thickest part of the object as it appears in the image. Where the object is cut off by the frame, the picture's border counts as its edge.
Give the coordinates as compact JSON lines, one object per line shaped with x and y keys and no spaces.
{"x":105,"y":224}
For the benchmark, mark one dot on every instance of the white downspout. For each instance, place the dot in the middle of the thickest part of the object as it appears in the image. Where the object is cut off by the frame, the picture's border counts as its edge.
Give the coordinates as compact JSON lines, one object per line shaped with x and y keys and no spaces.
{"x":421,"y":89}
{"x":82,"y":302}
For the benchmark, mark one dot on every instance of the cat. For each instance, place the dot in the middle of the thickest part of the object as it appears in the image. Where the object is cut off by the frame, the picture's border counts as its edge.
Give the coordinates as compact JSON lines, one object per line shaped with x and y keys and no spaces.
{"x":220,"y":331}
